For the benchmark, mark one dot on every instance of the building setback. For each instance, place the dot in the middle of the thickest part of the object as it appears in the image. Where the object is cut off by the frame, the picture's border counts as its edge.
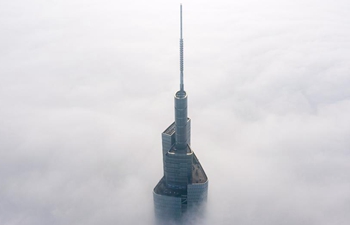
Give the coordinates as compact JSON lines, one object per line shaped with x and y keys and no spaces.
{"x":184,"y":185}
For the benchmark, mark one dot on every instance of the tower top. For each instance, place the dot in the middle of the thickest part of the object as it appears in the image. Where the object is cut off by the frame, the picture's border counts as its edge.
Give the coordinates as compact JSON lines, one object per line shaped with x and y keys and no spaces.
{"x":180,"y":21}
{"x":181,"y":54}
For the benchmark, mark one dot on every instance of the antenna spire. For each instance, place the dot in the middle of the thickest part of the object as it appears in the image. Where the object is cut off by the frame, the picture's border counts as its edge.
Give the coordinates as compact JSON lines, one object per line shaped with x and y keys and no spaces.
{"x":181,"y":54}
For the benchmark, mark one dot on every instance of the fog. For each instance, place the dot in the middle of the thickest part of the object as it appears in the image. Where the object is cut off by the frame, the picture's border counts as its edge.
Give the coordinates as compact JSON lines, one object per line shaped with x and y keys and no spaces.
{"x":86,"y":88}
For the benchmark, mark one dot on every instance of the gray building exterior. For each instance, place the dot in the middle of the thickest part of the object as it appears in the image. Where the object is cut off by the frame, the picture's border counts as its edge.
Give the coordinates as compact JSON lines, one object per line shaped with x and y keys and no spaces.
{"x":184,"y":185}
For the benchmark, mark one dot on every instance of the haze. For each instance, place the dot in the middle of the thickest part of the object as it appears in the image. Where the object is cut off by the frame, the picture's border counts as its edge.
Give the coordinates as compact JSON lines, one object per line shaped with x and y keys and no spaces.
{"x":86,"y":88}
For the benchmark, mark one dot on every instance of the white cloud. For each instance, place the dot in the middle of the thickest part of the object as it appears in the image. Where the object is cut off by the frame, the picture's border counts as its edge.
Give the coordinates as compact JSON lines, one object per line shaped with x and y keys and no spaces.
{"x":86,"y":89}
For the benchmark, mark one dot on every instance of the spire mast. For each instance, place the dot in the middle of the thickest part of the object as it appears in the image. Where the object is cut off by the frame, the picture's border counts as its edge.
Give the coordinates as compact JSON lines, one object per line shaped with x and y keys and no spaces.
{"x":181,"y":54}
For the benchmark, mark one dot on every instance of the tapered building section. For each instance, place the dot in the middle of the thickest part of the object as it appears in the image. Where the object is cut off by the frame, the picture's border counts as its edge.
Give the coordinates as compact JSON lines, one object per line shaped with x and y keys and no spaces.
{"x":184,"y":186}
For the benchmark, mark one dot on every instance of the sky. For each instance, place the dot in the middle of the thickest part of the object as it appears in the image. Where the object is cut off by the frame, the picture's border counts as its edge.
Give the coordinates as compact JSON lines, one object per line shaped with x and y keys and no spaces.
{"x":86,"y":88}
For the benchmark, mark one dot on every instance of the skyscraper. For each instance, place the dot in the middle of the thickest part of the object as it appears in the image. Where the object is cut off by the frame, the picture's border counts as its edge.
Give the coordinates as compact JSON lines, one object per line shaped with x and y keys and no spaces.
{"x":184,"y":185}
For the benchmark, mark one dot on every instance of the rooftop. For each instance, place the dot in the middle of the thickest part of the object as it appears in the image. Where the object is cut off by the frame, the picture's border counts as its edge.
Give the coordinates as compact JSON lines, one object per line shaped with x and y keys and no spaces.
{"x":187,"y":150}
{"x":162,"y":189}
{"x":171,"y":129}
{"x":198,"y":174}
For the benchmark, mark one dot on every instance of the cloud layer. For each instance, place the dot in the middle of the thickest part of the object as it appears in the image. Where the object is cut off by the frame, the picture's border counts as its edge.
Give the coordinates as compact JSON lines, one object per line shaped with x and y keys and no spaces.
{"x":86,"y":89}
